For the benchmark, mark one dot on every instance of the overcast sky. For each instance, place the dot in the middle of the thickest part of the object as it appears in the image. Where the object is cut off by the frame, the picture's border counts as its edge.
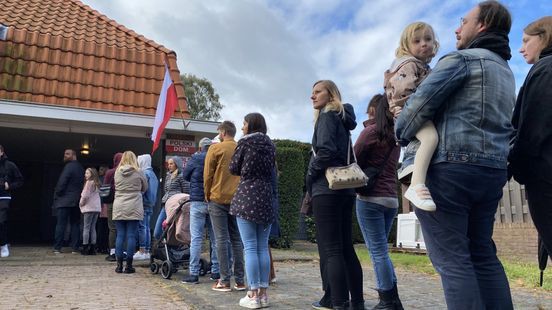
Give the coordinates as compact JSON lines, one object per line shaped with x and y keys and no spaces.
{"x":264,"y":56}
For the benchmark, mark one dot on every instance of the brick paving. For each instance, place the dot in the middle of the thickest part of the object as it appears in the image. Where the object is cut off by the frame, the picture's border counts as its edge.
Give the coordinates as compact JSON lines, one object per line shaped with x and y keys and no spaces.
{"x":35,"y":278}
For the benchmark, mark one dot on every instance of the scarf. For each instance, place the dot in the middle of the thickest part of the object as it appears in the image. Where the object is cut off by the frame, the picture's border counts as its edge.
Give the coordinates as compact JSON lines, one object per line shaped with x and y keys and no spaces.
{"x":495,"y":41}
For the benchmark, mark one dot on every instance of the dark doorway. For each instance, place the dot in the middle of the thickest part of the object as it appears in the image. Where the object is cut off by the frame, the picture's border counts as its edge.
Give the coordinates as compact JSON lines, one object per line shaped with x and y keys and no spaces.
{"x":39,"y":156}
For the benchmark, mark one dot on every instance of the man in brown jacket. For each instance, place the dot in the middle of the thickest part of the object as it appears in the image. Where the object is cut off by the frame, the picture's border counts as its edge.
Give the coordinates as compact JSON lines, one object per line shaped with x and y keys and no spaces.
{"x":220,"y":186}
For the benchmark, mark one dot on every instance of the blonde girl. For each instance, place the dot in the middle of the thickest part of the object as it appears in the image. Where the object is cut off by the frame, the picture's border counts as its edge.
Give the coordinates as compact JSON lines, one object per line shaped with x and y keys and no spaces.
{"x":417,"y":47}
{"x":90,"y":206}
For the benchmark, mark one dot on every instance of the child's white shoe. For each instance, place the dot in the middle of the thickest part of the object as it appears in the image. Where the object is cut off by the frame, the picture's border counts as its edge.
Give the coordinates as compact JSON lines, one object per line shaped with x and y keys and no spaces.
{"x":420,"y":197}
{"x":4,"y":251}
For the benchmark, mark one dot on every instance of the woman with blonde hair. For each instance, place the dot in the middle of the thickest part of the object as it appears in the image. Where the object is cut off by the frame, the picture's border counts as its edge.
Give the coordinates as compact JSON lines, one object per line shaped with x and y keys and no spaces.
{"x":530,"y":156}
{"x":331,"y":143}
{"x":130,"y":183}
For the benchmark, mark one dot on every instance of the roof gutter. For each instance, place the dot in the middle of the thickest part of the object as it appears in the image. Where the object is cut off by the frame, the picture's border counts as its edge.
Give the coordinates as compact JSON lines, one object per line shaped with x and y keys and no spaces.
{"x":27,"y":115}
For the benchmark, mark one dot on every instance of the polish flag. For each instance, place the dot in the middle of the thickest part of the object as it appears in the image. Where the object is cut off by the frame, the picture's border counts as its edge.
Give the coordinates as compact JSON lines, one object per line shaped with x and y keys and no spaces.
{"x":165,"y":107}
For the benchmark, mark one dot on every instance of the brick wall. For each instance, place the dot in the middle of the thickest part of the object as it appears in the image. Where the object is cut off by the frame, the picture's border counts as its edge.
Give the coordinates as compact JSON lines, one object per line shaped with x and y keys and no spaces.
{"x":516,"y":241}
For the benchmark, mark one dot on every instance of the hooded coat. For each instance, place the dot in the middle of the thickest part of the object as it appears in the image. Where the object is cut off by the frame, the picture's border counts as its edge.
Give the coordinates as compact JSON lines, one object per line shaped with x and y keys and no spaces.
{"x":150,"y":196}
{"x":9,"y":173}
{"x":253,"y":161}
{"x":330,"y":142}
{"x":129,"y":186}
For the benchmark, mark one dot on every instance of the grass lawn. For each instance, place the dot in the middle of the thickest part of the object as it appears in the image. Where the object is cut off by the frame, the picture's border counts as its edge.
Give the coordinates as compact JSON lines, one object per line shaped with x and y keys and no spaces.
{"x":519,"y":274}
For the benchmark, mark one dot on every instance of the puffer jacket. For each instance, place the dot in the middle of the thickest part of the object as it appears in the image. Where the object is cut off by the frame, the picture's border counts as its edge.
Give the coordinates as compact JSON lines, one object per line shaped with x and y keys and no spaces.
{"x":129,"y":186}
{"x":90,"y":198}
{"x":330,"y":142}
{"x":253,"y":161}
{"x":193,"y":173}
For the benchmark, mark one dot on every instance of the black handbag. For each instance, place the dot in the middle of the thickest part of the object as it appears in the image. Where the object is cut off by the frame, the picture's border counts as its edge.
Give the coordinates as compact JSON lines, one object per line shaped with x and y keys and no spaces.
{"x":106,"y":194}
{"x":372,"y":172}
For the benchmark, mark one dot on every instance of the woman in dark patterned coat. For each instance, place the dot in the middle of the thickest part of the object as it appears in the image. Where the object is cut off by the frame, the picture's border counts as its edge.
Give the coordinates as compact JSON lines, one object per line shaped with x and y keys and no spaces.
{"x":253,"y":161}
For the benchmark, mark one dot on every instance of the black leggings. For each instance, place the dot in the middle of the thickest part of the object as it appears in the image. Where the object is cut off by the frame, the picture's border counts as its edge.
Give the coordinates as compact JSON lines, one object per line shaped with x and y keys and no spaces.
{"x":339,"y":266}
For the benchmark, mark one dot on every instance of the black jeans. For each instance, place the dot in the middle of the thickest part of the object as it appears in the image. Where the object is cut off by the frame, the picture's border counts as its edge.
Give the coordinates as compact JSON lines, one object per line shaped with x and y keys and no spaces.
{"x":4,"y":207}
{"x":66,"y":216}
{"x":539,"y":197}
{"x":339,"y":266}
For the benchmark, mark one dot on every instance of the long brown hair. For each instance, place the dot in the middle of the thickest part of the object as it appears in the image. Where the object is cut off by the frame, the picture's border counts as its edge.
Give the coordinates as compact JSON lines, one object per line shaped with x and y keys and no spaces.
{"x":94,"y":177}
{"x":384,"y":118}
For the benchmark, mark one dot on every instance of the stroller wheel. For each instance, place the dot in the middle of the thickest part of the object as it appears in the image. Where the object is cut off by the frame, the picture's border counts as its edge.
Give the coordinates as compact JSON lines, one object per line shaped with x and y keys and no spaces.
{"x":154,"y":268}
{"x":166,"y":269}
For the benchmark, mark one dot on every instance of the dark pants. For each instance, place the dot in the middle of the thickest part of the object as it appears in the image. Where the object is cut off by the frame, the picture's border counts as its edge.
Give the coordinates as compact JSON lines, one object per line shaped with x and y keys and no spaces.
{"x":111,"y":225}
{"x":339,"y":266}
{"x":458,"y":235}
{"x":67,"y":216}
{"x":4,"y":207}
{"x":103,"y":232}
{"x":225,"y":229}
{"x":539,"y":197}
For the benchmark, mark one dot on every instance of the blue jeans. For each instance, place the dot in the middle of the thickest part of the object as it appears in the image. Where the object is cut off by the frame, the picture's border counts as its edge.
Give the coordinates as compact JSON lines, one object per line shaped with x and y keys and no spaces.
{"x":66,"y":216}
{"x":458,"y":236}
{"x":199,"y":216}
{"x":126,"y":231}
{"x":255,"y":245}
{"x":144,"y":233}
{"x":375,"y":223}
{"x":226,"y":231}
{"x":158,"y":230}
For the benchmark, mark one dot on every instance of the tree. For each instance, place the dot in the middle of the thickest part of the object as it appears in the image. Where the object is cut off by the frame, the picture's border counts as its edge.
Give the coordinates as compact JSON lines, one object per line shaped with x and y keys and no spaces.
{"x":203,"y":101}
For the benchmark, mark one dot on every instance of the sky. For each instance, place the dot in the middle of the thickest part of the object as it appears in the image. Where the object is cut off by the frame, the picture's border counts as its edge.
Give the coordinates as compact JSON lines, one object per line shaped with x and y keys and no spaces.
{"x":265,"y":55}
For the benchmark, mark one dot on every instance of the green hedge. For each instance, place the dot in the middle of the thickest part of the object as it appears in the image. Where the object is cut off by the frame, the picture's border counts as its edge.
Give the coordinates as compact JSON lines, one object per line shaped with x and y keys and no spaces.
{"x":304,"y":148}
{"x":290,"y":190}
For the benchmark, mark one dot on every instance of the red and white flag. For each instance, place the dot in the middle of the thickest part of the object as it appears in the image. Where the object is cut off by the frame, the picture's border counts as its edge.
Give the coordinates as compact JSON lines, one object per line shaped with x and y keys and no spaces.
{"x":165,"y":107}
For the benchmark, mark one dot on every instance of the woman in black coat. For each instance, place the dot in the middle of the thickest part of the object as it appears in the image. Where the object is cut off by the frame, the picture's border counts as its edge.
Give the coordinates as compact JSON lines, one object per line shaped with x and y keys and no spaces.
{"x":339,"y":265}
{"x":531,"y":153}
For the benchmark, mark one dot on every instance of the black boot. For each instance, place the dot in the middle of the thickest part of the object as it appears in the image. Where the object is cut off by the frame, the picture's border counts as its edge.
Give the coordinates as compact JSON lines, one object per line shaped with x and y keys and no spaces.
{"x":357,"y":305}
{"x":84,"y":250}
{"x":92,"y":249}
{"x":129,"y":268}
{"x":119,"y":268}
{"x":389,"y":300}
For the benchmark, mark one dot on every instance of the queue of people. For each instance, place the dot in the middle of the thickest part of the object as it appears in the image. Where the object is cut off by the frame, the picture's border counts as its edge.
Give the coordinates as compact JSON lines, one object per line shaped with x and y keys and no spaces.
{"x":456,"y":124}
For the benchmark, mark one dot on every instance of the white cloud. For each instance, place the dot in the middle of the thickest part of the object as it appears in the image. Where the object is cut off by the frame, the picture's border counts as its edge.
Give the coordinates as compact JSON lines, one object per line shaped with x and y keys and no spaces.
{"x":264,"y":56}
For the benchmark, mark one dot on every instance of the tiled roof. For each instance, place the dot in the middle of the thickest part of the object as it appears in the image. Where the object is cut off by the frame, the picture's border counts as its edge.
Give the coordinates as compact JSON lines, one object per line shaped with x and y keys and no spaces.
{"x":63,"y":52}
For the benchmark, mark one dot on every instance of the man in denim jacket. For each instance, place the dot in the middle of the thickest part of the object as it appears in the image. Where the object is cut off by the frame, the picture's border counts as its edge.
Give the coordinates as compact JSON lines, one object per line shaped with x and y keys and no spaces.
{"x":469,"y":96}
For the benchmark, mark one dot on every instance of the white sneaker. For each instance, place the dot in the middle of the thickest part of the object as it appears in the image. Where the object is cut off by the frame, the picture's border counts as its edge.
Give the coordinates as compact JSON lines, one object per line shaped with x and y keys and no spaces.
{"x":250,"y":302}
{"x":424,"y":201}
{"x":139,"y":256}
{"x":4,"y":251}
{"x":147,"y":255}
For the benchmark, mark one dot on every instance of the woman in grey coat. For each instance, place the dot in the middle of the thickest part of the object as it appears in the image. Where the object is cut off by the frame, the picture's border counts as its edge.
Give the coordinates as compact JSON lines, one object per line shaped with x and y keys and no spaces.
{"x":130,"y":183}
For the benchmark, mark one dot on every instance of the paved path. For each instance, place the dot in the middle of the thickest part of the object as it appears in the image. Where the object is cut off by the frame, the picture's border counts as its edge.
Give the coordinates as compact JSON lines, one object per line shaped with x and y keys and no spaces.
{"x":34,"y":278}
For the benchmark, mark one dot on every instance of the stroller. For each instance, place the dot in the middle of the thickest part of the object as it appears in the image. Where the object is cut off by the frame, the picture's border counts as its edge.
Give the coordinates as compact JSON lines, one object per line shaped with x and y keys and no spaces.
{"x":173,"y":249}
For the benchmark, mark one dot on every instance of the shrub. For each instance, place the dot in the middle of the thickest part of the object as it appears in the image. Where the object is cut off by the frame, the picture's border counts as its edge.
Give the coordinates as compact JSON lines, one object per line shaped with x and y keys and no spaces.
{"x":290,"y":190}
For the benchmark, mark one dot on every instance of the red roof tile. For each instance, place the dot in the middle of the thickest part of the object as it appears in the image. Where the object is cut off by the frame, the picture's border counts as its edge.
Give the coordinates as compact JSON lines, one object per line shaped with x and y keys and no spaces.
{"x":62,"y":52}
